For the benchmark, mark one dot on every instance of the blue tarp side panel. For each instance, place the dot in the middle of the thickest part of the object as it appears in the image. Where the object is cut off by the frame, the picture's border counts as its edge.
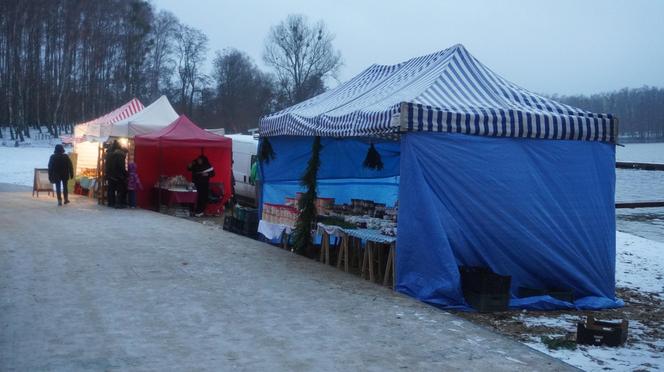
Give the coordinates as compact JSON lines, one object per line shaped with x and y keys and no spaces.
{"x":541,"y":211}
{"x":339,"y":158}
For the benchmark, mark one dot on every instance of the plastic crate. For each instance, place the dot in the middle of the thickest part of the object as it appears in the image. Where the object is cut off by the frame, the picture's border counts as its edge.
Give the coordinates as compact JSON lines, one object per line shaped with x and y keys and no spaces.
{"x":483,"y":280}
{"x":486,"y":303}
{"x":228,"y":223}
{"x":485,"y":290}
{"x":595,"y":332}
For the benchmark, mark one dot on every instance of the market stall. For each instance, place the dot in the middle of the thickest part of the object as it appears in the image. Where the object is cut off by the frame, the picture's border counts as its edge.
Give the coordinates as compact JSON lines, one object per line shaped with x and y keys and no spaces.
{"x":481,"y":173}
{"x":89,"y":136}
{"x":162,"y":158}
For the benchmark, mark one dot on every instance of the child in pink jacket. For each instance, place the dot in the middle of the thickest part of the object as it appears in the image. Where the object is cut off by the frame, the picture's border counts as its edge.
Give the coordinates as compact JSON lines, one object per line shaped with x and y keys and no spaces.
{"x":133,"y":184}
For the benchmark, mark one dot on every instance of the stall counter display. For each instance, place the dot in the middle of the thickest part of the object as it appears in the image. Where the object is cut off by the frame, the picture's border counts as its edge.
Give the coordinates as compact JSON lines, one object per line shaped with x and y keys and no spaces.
{"x":176,"y":182}
{"x":363,"y":214}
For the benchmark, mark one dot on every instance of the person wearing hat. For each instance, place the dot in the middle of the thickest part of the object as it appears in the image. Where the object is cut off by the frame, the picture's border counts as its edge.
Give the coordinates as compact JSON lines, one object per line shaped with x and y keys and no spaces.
{"x":60,"y":170}
{"x":201,"y":172}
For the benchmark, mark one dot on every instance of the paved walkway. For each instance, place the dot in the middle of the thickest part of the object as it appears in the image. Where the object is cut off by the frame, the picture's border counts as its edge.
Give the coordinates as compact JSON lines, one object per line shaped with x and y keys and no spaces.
{"x":84,"y":287}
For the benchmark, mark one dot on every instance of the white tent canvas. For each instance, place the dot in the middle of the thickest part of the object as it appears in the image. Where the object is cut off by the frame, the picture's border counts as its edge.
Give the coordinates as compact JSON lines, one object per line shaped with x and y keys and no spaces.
{"x":87,"y":155}
{"x":156,"y":116}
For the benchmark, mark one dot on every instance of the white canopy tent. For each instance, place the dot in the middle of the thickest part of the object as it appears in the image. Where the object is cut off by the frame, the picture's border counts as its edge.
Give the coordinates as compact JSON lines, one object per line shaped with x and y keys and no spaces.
{"x":125,"y":122}
{"x":88,"y":135}
{"x":156,"y":116}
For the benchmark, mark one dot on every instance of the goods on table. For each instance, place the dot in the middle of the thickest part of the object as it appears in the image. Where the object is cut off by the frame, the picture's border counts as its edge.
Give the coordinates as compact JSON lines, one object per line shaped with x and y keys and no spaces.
{"x":280,"y":214}
{"x":324,"y":205}
{"x":365,"y":214}
{"x":175,"y":182}
{"x":88,"y":172}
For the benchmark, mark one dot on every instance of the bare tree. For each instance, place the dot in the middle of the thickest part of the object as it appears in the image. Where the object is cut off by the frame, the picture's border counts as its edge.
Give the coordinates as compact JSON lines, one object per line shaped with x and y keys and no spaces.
{"x":191,"y":50}
{"x":302,"y":56}
{"x":161,"y":64}
{"x":243,"y":93}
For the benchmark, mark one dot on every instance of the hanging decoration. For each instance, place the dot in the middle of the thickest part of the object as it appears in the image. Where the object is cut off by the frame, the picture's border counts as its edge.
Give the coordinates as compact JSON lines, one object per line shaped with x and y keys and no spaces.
{"x":265,"y":152}
{"x":307,"y":203}
{"x":373,"y":160}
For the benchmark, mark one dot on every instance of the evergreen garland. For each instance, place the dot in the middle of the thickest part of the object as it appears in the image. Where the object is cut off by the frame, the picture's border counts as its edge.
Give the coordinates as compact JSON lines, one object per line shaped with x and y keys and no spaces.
{"x":307,"y":203}
{"x":373,"y":159}
{"x":265,"y":152}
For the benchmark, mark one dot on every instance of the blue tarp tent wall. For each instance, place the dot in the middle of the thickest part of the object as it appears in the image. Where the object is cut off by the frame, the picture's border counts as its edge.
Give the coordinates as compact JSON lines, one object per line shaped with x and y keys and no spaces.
{"x":486,"y":174}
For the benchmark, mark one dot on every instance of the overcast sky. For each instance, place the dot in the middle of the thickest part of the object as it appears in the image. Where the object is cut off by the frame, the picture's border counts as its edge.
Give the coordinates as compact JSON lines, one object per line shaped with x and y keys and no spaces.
{"x":562,"y":46}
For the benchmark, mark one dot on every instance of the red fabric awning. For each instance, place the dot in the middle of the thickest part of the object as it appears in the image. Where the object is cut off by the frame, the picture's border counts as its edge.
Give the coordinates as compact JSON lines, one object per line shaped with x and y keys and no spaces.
{"x":168,"y":151}
{"x":182,"y":132}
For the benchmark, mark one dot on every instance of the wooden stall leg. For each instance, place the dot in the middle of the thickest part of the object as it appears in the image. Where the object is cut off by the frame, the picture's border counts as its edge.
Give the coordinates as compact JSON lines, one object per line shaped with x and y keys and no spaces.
{"x":365,"y":259}
{"x":389,"y":267}
{"x":340,"y":254}
{"x":284,"y":240}
{"x":370,"y":246}
{"x":325,"y":248}
{"x":344,"y":248}
{"x":343,"y":253}
{"x":394,"y":266}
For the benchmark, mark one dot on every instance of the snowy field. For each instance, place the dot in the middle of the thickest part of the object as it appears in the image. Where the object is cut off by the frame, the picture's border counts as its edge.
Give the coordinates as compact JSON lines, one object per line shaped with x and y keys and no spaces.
{"x":639,"y":266}
{"x":639,"y":354}
{"x":17,"y":164}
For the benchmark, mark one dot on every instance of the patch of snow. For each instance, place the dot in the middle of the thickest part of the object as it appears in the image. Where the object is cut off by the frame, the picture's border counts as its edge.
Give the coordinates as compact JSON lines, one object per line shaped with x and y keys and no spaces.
{"x":36,"y":139}
{"x":635,"y":356}
{"x":17,"y":164}
{"x":639,"y":264}
{"x":637,"y":353}
{"x":564,"y":321}
{"x":515,"y":360}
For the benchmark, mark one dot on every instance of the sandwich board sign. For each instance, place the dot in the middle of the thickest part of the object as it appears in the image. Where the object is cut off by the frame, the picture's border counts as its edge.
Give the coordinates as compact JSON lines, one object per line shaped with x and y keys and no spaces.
{"x":41,"y":182}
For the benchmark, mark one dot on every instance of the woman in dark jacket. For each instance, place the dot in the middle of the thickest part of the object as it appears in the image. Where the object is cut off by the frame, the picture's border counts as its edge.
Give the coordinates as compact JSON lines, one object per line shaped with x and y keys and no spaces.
{"x":60,"y":170}
{"x":201,"y":172}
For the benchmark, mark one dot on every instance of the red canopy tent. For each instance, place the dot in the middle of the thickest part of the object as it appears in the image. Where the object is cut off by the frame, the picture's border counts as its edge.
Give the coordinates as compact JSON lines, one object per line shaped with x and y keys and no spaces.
{"x":168,"y":152}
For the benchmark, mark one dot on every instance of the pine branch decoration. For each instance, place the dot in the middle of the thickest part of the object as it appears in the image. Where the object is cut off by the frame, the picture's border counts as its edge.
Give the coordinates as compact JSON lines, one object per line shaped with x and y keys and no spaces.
{"x":265,"y":152}
{"x":373,"y":159}
{"x":307,"y":203}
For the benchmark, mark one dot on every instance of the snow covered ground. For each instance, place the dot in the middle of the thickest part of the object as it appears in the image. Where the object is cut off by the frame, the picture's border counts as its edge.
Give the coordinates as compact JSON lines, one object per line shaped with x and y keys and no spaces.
{"x":36,"y":139}
{"x":639,"y":266}
{"x":641,"y":352}
{"x":17,"y":164}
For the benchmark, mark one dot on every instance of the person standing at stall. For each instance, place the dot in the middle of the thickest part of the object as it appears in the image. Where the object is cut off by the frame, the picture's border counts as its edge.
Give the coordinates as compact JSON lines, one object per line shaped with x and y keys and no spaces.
{"x":60,"y":170}
{"x":108,"y":166}
{"x":201,"y":172}
{"x":116,"y":174}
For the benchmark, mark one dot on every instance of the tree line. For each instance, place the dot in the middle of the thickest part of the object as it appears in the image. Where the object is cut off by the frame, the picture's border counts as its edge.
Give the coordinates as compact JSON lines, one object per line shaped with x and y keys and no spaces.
{"x":640,"y":111}
{"x":68,"y":61}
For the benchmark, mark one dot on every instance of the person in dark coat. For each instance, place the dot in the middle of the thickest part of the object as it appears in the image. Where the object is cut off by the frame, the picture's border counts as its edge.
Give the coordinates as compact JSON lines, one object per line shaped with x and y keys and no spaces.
{"x":111,"y":185}
{"x":201,"y":172}
{"x":116,"y":176}
{"x":60,"y":170}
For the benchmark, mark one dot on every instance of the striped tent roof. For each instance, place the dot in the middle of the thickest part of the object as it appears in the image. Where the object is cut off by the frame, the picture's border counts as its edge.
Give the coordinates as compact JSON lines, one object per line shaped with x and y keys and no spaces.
{"x":447,"y":91}
{"x":99,"y":126}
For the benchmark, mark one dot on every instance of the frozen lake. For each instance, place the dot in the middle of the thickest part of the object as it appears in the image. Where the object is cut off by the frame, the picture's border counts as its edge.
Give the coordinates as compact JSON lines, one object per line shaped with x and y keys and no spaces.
{"x":641,"y":185}
{"x":16,"y":166}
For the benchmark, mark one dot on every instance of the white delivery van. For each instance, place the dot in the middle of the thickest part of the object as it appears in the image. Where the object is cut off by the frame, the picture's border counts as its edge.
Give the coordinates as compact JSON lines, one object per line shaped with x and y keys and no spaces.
{"x":245,"y":147}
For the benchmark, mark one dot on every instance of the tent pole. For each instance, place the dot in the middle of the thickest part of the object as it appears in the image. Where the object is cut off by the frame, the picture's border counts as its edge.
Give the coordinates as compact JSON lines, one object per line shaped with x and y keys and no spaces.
{"x":159,"y":178}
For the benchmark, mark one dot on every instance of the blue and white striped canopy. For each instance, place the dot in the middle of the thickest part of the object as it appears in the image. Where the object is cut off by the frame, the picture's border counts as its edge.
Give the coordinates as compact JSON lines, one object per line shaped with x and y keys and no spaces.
{"x":447,"y":91}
